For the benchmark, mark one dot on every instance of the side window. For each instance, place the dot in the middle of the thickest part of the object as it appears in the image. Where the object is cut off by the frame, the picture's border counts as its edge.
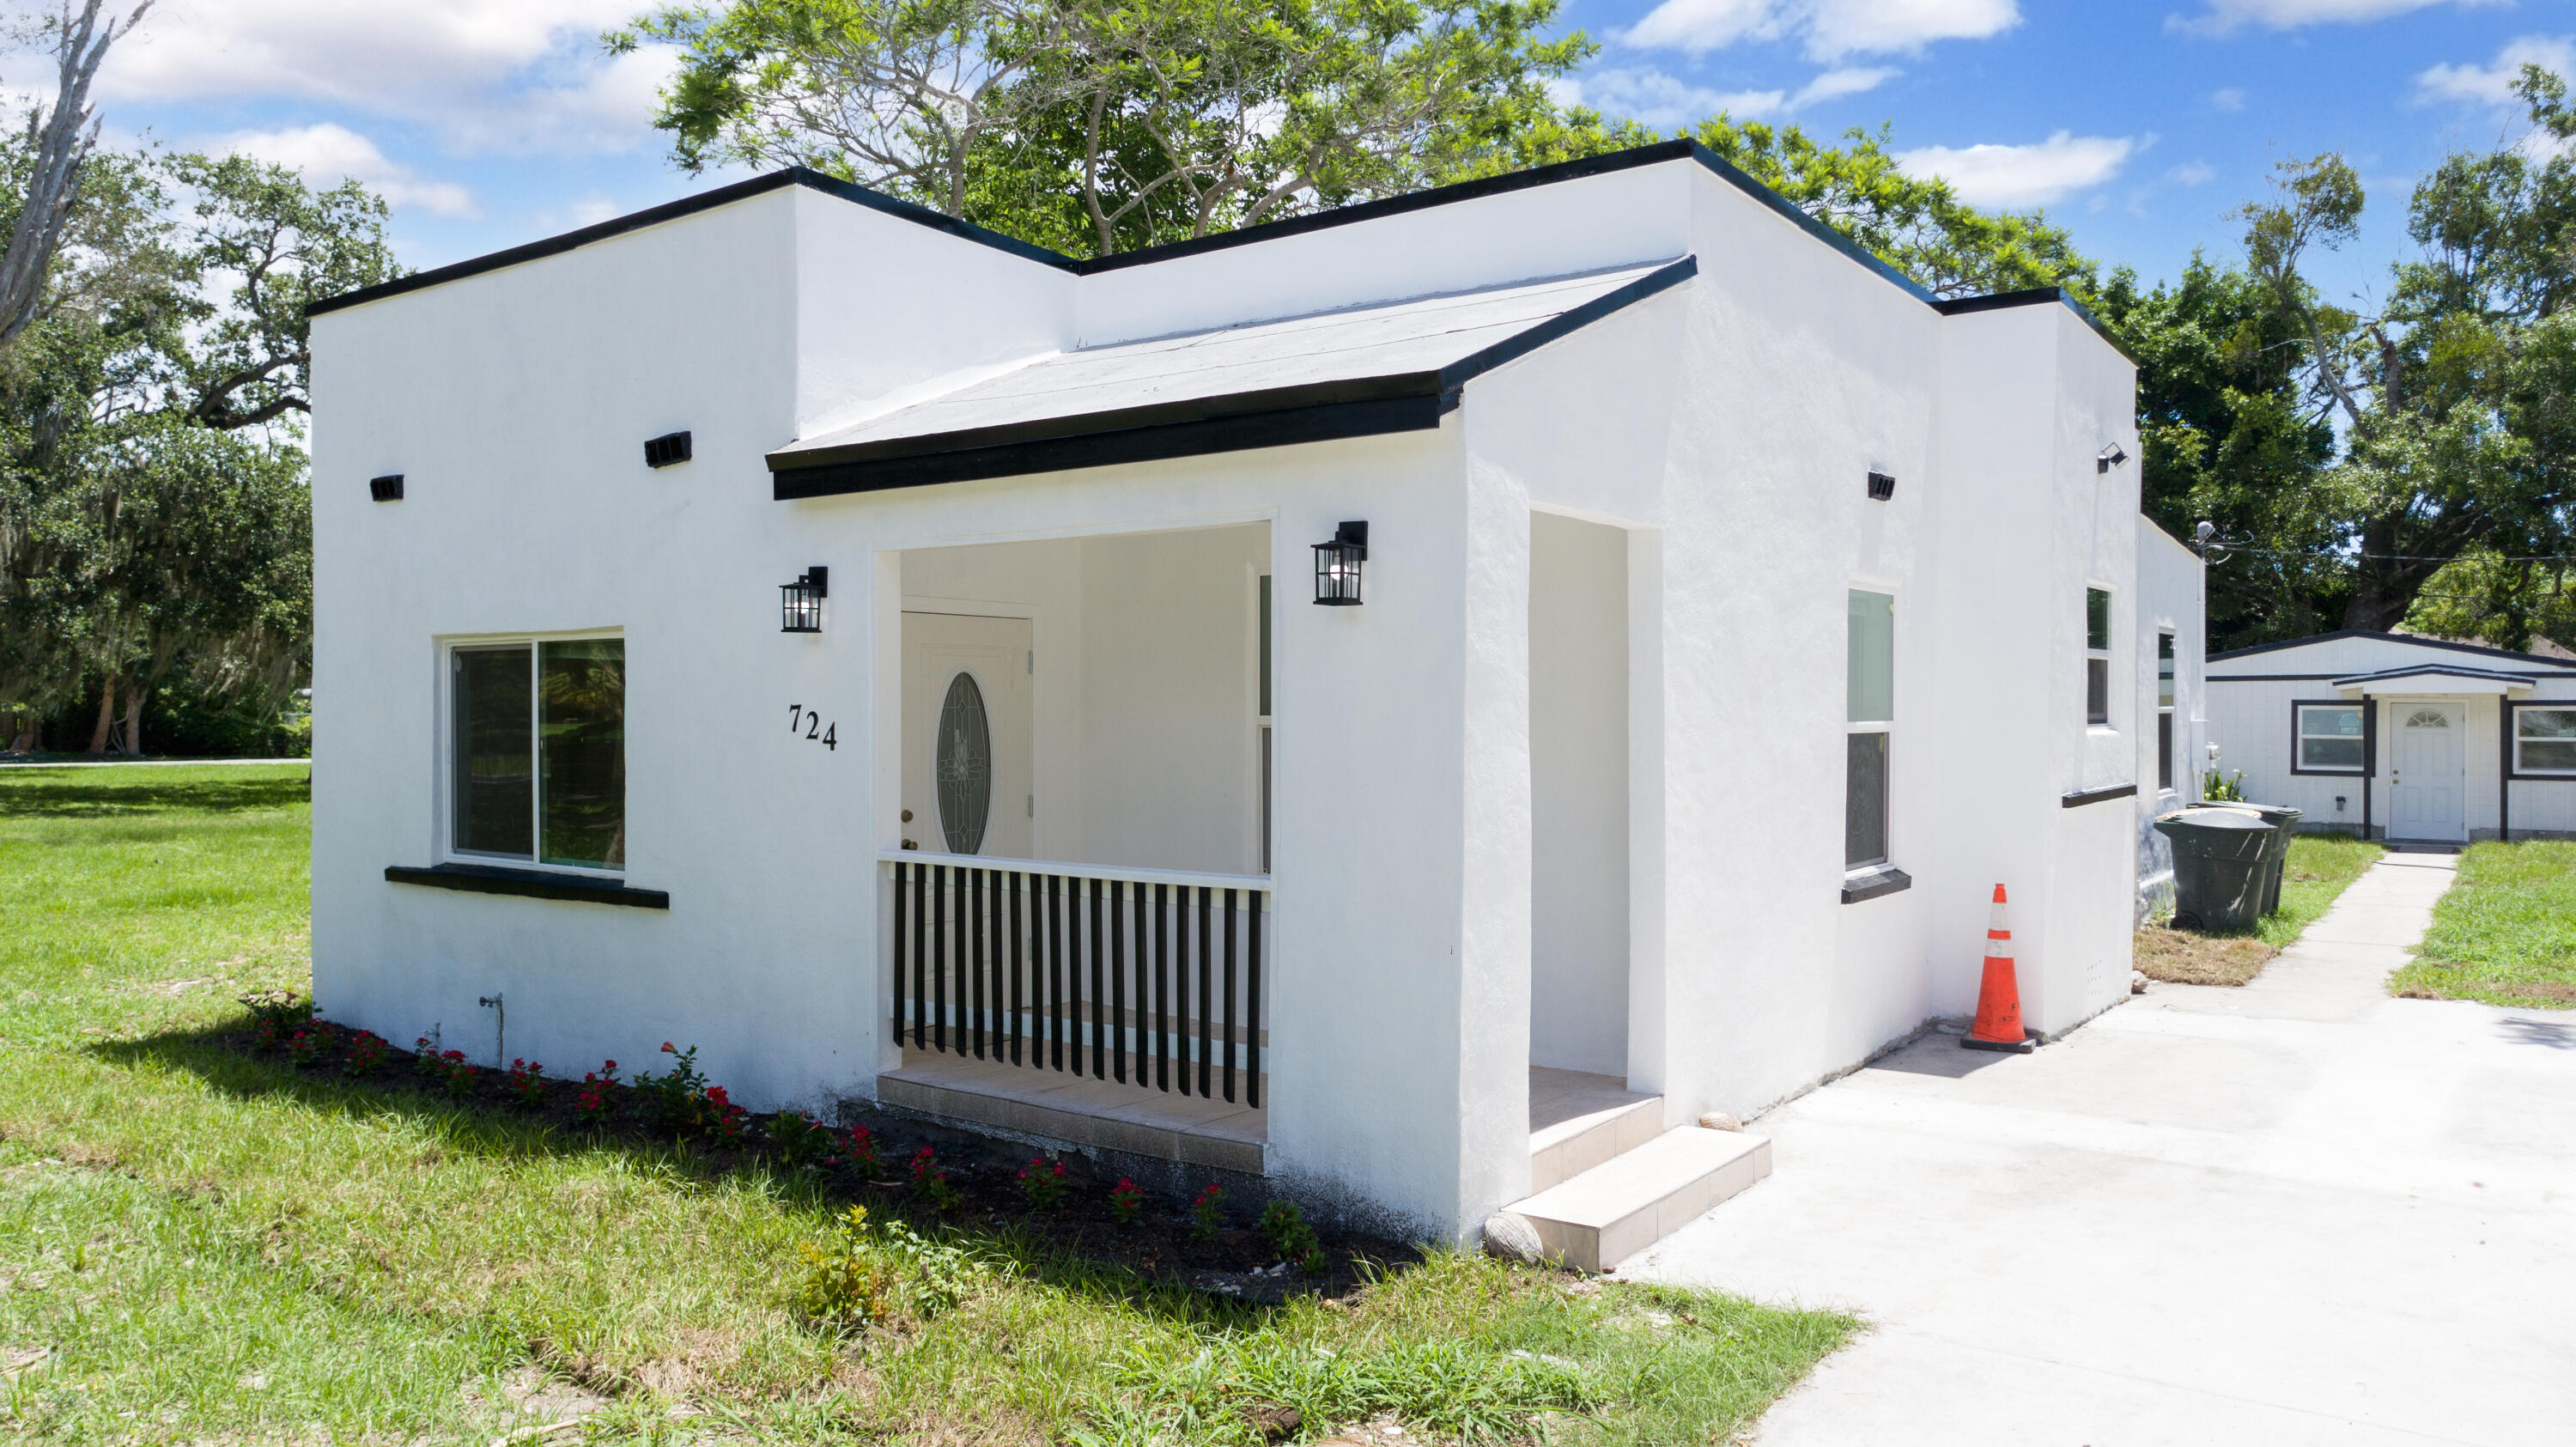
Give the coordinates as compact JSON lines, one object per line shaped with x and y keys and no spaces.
{"x":2097,"y":655}
{"x":2164,"y":710}
{"x":2544,"y":741}
{"x":2328,"y":738}
{"x":1870,"y":723}
{"x":537,"y":768}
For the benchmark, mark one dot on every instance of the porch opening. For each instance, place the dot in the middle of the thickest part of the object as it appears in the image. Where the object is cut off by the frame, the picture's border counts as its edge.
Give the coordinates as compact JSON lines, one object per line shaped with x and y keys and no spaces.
{"x":1077,"y":905}
{"x":1578,"y":745}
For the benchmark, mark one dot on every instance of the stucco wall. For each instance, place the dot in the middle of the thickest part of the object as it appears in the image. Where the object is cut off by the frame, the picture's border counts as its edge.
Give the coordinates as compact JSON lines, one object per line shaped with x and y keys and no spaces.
{"x":1578,"y":705}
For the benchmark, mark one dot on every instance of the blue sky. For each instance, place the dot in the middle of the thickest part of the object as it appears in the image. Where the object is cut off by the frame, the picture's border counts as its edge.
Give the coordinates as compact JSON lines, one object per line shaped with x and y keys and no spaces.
{"x":2140,"y":126}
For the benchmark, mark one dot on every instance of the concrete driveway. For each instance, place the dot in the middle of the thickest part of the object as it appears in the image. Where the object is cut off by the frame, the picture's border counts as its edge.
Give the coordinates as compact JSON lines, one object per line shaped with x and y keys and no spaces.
{"x":2296,"y":1212}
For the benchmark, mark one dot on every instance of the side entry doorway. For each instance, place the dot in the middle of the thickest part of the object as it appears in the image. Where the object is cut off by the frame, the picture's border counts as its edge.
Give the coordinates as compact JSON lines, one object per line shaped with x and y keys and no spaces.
{"x":967,"y":782}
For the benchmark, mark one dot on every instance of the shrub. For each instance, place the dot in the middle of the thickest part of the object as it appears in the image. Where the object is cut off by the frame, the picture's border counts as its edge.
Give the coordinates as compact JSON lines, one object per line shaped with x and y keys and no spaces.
{"x":1294,"y":1240}
{"x":929,"y":1182}
{"x":677,"y":1098}
{"x":942,"y":1275}
{"x":1042,"y":1181}
{"x":1206,"y":1213}
{"x":722,"y":1116}
{"x":859,"y":1148}
{"x":367,"y":1052}
{"x":592,"y":1103}
{"x":275,"y":1016}
{"x":1126,"y":1199}
{"x":459,"y":1072}
{"x":846,"y":1284}
{"x":528,"y":1082}
{"x":306,"y":1045}
{"x":425,"y":1056}
{"x":800,"y":1140}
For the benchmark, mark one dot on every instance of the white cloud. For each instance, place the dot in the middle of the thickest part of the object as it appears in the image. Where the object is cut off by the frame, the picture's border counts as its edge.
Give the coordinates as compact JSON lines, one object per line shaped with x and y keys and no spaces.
{"x":519,"y":75}
{"x":1992,"y":175}
{"x":1655,"y":99}
{"x":2224,"y":16}
{"x":2192,"y":173}
{"x":2228,"y":101}
{"x":1831,"y":29}
{"x":2493,"y":84}
{"x":326,"y":154}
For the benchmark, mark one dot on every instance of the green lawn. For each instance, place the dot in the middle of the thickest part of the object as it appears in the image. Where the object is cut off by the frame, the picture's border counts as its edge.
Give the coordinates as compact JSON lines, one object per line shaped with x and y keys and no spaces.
{"x":2506,"y":932}
{"x":2319,"y":868}
{"x":196,"y":1245}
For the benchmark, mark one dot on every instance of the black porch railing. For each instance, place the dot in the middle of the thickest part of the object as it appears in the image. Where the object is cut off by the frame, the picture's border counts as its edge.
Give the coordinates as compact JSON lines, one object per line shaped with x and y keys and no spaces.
{"x":1115,"y":975}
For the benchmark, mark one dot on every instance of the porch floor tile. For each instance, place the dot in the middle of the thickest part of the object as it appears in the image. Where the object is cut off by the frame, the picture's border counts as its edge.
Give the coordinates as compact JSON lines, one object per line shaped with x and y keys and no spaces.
{"x":1080,"y":1111}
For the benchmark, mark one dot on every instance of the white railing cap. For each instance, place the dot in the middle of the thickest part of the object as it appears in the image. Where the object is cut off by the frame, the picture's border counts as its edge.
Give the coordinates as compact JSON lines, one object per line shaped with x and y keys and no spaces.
{"x":1185,"y":877}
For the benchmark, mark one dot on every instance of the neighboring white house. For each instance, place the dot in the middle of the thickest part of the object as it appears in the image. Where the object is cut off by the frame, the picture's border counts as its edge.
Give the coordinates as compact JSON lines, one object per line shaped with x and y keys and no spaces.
{"x":2398,"y":736}
{"x":1732,"y":619}
{"x":2172,"y":628}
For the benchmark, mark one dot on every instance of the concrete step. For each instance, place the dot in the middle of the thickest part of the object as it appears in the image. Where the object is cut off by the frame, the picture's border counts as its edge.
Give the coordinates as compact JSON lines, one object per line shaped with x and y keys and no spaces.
{"x":1624,"y":1205}
{"x":1601,"y":1129}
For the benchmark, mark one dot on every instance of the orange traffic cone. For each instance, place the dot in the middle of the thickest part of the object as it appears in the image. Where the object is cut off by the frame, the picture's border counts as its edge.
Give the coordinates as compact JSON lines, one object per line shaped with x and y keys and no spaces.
{"x":1998,"y":1024}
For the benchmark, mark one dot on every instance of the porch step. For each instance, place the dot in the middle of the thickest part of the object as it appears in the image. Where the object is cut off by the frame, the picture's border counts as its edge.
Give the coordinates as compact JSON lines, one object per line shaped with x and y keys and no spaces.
{"x":1624,"y":1205}
{"x":1564,"y":1149}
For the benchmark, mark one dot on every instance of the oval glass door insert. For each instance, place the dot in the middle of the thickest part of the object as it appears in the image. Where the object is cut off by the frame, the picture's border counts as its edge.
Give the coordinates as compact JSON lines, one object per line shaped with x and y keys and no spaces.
{"x":964,"y":766}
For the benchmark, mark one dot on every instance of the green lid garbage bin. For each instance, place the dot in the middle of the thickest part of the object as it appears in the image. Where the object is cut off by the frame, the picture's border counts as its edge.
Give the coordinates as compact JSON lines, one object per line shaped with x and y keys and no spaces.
{"x":2286,"y":821}
{"x":2219,"y":867}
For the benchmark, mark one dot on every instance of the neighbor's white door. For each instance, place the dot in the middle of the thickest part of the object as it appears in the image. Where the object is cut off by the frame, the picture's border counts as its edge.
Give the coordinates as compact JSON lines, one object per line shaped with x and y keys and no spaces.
{"x":967,"y":785}
{"x":2426,"y":789}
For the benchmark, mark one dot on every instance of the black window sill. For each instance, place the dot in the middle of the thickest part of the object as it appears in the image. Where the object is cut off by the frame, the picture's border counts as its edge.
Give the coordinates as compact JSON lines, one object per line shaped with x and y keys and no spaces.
{"x":529,"y":883}
{"x":1871,"y":883}
{"x":2096,"y":796}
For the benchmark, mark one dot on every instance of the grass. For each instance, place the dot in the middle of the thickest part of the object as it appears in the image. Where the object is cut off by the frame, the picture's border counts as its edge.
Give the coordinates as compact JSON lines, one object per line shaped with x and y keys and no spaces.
{"x":2505,"y":933}
{"x":198,"y":1245}
{"x":2319,"y":867}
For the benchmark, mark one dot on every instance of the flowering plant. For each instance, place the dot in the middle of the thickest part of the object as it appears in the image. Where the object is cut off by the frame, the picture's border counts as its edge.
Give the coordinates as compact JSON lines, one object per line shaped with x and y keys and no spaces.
{"x":930,"y":1182}
{"x":723,"y":1116}
{"x":677,"y":1098}
{"x":460,"y":1073}
{"x":1125,"y":1200}
{"x":859,"y":1147}
{"x":528,"y":1082}
{"x":367,"y":1050}
{"x":1042,"y":1181}
{"x":306,"y":1045}
{"x":592,"y":1103}
{"x":799,"y":1139}
{"x":1205,"y":1215}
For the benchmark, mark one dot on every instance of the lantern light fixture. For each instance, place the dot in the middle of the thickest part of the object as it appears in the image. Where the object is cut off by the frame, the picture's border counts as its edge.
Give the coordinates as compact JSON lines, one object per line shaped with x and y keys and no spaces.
{"x":1337,"y":566}
{"x":2111,"y":456}
{"x":800,"y":604}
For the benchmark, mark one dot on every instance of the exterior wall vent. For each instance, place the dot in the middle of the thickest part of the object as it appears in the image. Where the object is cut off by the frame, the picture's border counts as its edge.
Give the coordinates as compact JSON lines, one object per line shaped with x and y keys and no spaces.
{"x":666,"y":449}
{"x":1881,"y":487}
{"x":387,"y":488}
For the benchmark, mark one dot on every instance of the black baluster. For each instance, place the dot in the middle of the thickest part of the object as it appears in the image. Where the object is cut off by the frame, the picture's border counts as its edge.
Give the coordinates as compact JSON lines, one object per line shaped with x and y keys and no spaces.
{"x":899,"y":872}
{"x":970,"y":985}
{"x":940,"y":931}
{"x":1207,"y":1018}
{"x":920,"y":951}
{"x":1019,"y":960}
{"x":1232,"y":1020}
{"x":1252,"y":1014}
{"x":1118,"y":981}
{"x":1162,"y":993}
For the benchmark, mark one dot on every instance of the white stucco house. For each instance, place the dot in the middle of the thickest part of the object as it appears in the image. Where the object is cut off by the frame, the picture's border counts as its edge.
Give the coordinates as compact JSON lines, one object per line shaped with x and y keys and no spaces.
{"x":2399,"y":736}
{"x":888,"y":656}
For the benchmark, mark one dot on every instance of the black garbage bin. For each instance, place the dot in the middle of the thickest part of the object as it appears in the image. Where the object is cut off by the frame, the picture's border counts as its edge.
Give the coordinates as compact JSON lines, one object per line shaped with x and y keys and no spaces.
{"x":2281,"y":818}
{"x":2220,"y":859}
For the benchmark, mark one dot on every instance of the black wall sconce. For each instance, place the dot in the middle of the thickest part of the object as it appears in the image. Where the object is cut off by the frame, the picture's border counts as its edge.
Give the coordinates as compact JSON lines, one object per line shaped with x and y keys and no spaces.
{"x":666,"y":449}
{"x":2109,"y":457}
{"x":387,"y":488}
{"x":1337,"y":566}
{"x":1882,"y":486}
{"x":800,"y":604}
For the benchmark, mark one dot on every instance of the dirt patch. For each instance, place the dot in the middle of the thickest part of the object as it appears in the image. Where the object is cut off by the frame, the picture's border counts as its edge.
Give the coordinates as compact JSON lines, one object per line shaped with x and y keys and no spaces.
{"x":2186,"y":957}
{"x":2436,"y":980}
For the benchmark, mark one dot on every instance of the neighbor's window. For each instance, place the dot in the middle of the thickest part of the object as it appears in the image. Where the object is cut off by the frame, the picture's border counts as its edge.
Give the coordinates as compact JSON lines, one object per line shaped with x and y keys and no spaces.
{"x":2097,"y":655}
{"x":2330,"y":738}
{"x":1870,"y":711}
{"x":540,"y":751}
{"x":2544,"y":741}
{"x":2164,"y":710}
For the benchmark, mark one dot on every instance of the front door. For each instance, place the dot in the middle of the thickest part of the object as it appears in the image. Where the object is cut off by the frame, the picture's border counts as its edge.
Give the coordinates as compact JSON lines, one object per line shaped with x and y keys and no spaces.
{"x":966,"y":777}
{"x":2426,"y":789}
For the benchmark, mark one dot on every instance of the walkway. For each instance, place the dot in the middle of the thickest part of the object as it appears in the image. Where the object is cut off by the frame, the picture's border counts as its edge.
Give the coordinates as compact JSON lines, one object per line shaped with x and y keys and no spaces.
{"x":2295,"y":1212}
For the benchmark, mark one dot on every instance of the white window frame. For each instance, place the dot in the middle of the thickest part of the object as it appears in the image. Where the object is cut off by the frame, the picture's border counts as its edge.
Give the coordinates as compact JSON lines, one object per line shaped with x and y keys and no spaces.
{"x":445,"y":764}
{"x":1886,"y":726}
{"x":2168,"y":688}
{"x":2522,"y":770}
{"x":2102,"y":655}
{"x":2299,"y":737}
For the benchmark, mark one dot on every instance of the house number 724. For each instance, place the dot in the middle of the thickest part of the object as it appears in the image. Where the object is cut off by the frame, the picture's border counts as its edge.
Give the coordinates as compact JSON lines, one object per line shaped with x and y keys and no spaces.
{"x":805,"y":723}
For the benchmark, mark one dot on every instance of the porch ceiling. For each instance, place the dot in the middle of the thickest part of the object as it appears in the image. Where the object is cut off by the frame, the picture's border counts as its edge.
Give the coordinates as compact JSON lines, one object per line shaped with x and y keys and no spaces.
{"x":1352,"y":372}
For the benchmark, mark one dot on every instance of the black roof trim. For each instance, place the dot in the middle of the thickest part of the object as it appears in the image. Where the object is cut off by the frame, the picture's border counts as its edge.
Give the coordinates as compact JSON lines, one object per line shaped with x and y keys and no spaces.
{"x":2416,"y":639}
{"x":1269,"y":417}
{"x":690,"y":206}
{"x":1648,"y":155}
{"x":2446,"y":670}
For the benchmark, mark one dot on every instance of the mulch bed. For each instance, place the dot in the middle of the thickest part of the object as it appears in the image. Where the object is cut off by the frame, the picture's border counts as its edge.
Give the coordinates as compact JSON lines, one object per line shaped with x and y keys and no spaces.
{"x":2185,"y":957}
{"x":1164,"y":1242}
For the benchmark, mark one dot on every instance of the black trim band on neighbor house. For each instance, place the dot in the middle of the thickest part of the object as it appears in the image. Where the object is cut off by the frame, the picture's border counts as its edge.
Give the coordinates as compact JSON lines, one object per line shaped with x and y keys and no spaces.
{"x":1271,"y":417}
{"x":2083,"y":797}
{"x":1872,"y":883}
{"x":2410,"y":639}
{"x":530,"y":883}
